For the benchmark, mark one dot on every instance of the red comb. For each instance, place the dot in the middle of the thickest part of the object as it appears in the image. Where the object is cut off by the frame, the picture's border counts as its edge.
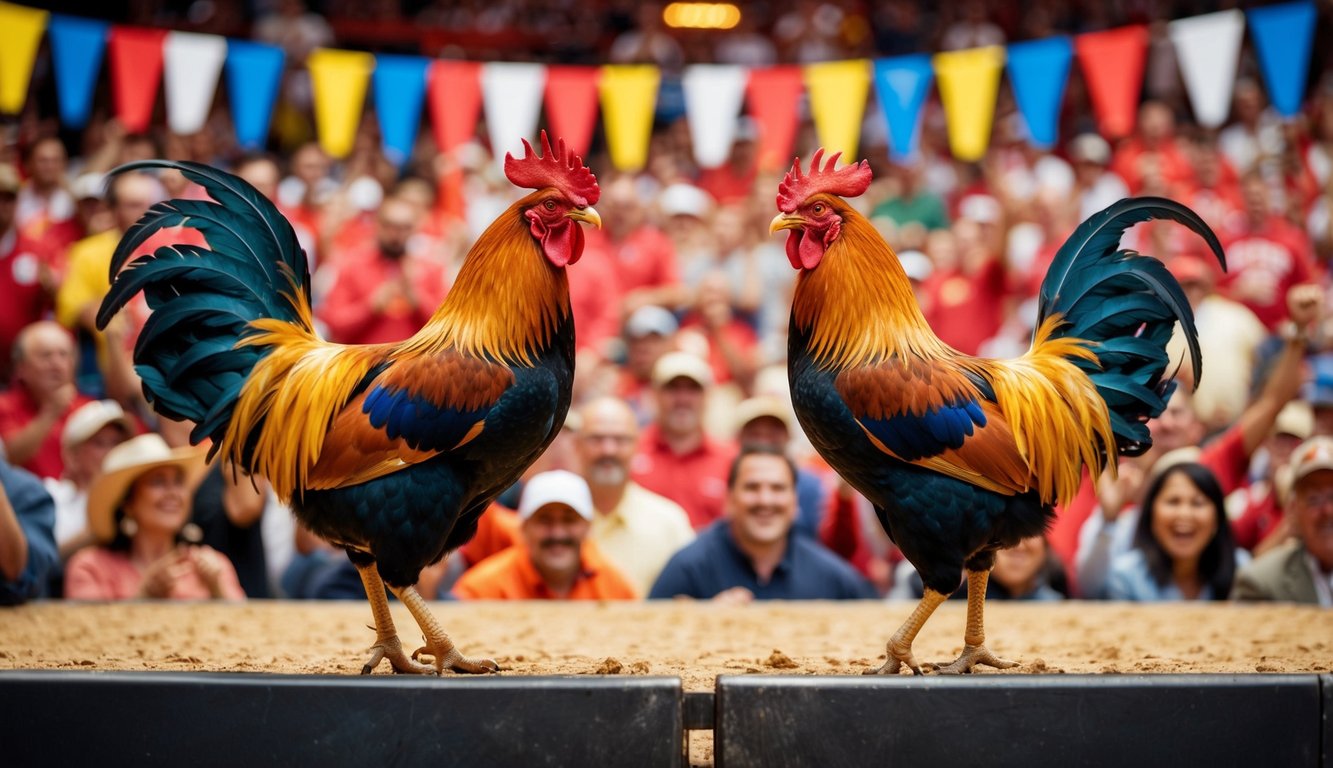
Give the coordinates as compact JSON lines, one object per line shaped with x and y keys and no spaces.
{"x":561,"y":169}
{"x":851,"y":181}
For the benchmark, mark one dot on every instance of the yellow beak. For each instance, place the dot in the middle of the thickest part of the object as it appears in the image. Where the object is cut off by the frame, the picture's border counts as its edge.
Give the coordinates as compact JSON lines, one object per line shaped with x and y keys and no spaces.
{"x":587,"y":215}
{"x":785,"y":221}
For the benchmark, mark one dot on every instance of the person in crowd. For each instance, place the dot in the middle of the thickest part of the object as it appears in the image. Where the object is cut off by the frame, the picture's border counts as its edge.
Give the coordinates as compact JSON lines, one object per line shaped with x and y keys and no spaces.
{"x":1266,"y":255}
{"x":27,"y":543}
{"x":764,"y":420}
{"x":138,"y":510}
{"x":41,"y":398}
{"x":1183,"y":545}
{"x":752,"y":554}
{"x":1095,"y":185}
{"x":636,"y":529}
{"x":641,"y":255}
{"x":649,"y":334}
{"x":25,"y":273}
{"x":1262,"y":523}
{"x":1029,"y":570}
{"x":1300,"y":570}
{"x":91,"y":431}
{"x":555,"y":560}
{"x":385,"y":292}
{"x":731,"y":341}
{"x":1155,"y":150}
{"x":45,"y":200}
{"x":676,"y":457}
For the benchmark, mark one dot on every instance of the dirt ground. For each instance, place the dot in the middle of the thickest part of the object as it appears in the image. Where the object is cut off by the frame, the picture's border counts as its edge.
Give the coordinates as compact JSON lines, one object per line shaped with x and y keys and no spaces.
{"x":693,"y":641}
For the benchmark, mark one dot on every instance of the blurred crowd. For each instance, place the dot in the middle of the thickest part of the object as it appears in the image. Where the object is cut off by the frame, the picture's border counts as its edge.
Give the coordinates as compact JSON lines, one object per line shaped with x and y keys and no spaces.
{"x":681,"y":470}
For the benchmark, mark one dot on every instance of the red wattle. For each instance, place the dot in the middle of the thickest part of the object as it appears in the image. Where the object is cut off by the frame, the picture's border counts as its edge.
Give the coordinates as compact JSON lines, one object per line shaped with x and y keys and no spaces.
{"x":793,"y":244}
{"x":811,"y":250}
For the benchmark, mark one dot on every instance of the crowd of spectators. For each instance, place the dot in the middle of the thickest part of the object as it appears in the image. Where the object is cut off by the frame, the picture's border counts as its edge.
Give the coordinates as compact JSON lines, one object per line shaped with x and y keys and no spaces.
{"x":681,"y":470}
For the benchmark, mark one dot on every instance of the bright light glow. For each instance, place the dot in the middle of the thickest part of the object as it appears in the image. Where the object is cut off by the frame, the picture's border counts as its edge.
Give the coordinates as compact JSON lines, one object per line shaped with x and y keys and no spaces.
{"x":701,"y":15}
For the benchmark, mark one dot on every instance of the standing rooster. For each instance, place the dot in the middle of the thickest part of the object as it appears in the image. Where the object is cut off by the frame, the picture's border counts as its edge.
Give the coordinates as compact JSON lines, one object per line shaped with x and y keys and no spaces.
{"x":962,"y":456}
{"x":391,"y":451}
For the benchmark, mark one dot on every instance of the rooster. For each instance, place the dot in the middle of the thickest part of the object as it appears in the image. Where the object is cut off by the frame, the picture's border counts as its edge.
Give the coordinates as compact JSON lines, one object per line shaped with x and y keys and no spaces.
{"x":961,"y":455}
{"x":390,"y":451}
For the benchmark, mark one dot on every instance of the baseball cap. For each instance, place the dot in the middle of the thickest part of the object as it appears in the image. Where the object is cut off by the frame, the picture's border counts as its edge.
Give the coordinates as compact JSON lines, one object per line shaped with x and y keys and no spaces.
{"x":1091,"y":148}
{"x":674,"y":365}
{"x":1310,"y":456}
{"x":9,"y":179}
{"x":1296,"y":419}
{"x":684,"y":200}
{"x":556,"y":487}
{"x":89,"y":418}
{"x":756,"y":407}
{"x":982,"y":209}
{"x":916,"y":264}
{"x":650,"y":319}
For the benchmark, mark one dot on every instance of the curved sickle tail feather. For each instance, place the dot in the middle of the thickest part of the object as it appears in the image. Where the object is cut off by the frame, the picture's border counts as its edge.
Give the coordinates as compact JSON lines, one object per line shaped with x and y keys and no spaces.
{"x":205,"y":300}
{"x":1126,"y":305}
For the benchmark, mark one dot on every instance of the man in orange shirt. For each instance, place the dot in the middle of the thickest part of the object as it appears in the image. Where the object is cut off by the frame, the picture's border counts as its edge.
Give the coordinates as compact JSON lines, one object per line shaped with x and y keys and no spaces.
{"x":553,"y":559}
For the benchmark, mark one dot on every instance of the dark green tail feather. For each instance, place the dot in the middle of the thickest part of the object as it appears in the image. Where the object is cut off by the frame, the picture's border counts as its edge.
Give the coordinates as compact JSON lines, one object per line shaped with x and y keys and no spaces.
{"x":203,"y":299}
{"x":1127,"y":303}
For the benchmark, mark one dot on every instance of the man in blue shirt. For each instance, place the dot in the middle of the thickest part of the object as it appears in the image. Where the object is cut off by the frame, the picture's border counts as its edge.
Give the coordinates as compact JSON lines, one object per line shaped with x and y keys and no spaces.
{"x":27,"y":538}
{"x":751,"y":554}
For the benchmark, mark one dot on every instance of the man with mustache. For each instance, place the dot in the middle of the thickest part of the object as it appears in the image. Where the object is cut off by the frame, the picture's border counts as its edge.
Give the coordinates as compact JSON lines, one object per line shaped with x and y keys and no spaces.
{"x":637,"y":529}
{"x":553,"y":559}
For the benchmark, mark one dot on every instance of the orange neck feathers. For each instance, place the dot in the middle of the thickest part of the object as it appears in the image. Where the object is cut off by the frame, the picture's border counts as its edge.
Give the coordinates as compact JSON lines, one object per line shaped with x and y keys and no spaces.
{"x":507,"y":301}
{"x":857,"y":305}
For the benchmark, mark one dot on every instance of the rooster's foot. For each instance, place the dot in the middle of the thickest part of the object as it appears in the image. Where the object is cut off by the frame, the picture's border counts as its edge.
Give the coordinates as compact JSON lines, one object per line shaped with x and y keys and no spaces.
{"x":972,"y":656}
{"x":392,"y":649}
{"x":898,"y":656}
{"x":446,"y":656}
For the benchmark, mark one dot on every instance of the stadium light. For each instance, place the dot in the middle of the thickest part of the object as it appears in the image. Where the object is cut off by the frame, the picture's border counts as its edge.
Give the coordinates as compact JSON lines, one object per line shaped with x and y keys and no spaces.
{"x":701,"y":15}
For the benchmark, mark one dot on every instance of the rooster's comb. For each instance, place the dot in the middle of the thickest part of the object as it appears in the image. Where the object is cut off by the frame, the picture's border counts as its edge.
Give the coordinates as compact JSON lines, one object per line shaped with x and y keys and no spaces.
{"x":851,"y":181}
{"x":560,"y":168}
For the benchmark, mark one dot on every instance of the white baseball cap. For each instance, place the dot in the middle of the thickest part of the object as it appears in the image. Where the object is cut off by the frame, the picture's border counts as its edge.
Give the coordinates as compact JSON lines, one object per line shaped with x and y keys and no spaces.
{"x":89,"y":418}
{"x":556,"y":487}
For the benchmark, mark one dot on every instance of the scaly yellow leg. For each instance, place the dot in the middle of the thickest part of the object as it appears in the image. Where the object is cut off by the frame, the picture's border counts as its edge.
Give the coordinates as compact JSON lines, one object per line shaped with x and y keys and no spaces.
{"x":387,"y":644}
{"x":438,"y":644}
{"x":900,"y":645}
{"x":974,"y":639}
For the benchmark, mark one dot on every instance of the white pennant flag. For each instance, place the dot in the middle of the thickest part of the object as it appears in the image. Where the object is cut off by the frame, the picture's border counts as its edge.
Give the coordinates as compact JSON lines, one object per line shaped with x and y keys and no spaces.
{"x":191,"y":64}
{"x":713,"y":97}
{"x":511,"y":94}
{"x":1208,"y":48}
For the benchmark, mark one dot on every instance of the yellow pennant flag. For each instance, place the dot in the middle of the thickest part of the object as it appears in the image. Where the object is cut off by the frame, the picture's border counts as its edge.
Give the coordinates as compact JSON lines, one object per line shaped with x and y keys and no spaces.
{"x":838,"y":102}
{"x":338,"y":80}
{"x":629,"y":96}
{"x":968,"y":82}
{"x":20,"y":34}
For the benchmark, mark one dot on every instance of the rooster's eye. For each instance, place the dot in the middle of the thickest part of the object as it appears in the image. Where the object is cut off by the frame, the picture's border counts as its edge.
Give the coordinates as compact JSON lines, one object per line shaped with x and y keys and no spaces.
{"x":819,"y":209}
{"x":550,"y":205}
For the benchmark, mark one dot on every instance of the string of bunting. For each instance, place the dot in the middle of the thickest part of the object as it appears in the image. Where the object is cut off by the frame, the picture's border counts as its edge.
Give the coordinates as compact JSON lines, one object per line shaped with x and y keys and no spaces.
{"x":512,"y":96}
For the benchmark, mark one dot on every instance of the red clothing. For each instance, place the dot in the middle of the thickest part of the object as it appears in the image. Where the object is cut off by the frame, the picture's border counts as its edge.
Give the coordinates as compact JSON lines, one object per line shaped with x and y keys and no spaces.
{"x":1261,"y":516}
{"x":25,"y":300}
{"x":741,"y":336}
{"x":644,"y":259}
{"x":348,"y":309}
{"x":98,"y":573}
{"x":1263,"y":263}
{"x":1225,"y":455}
{"x":17,"y":410}
{"x":968,"y":309}
{"x":697,"y":480}
{"x":1133,"y":161}
{"x":725,"y":185}
{"x":510,"y":575}
{"x":594,"y":298}
{"x":497,"y":530}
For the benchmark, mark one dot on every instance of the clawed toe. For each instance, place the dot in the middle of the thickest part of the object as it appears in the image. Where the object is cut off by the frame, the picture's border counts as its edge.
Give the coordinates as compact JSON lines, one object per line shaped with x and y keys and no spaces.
{"x":972,"y":656}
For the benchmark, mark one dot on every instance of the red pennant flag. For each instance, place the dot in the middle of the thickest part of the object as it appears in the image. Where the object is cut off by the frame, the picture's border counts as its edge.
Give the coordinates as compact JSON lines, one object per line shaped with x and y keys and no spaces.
{"x":773,"y":95}
{"x":1112,"y":63}
{"x":136,"y":73}
{"x":453,"y":91}
{"x":571,"y":105}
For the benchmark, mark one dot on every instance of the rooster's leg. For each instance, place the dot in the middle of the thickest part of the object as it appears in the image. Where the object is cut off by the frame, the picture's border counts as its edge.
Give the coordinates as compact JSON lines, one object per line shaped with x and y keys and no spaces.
{"x":438,"y":644}
{"x":900,"y":645}
{"x":387,"y":645}
{"x":974,"y":648}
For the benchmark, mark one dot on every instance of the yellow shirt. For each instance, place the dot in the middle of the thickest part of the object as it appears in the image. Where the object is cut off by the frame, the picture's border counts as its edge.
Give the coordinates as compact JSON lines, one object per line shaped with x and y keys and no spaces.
{"x":641,"y":534}
{"x":86,"y":279}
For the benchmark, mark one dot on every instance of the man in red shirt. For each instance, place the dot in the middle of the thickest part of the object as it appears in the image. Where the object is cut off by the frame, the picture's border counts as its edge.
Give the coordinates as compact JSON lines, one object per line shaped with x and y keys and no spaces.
{"x":641,"y":255}
{"x":1266,"y":256}
{"x":21,"y":273}
{"x":384,"y":292}
{"x":1155,"y":150}
{"x":34,"y":409}
{"x":676,"y":458}
{"x":553,"y":559}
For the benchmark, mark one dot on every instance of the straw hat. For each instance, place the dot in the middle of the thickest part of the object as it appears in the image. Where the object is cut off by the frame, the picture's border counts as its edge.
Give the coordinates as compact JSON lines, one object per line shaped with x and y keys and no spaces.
{"x":126,"y":463}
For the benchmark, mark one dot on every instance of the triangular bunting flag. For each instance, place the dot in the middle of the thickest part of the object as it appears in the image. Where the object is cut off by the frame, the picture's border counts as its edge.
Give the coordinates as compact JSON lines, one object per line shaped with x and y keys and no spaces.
{"x":714,"y":94}
{"x":511,"y":96}
{"x":1038,"y":73}
{"x":1282,"y":37}
{"x":192,"y":66}
{"x":1208,"y":49}
{"x":136,"y":71}
{"x":837,"y":103}
{"x":254,"y":73}
{"x":629,"y":94}
{"x":20,"y":35}
{"x":774,"y":96}
{"x":400,"y":91}
{"x":968,"y":82}
{"x":77,"y":49}
{"x":902,"y":84}
{"x":338,"y":81}
{"x":1112,"y":64}
{"x":571,"y":105}
{"x":454,"y":89}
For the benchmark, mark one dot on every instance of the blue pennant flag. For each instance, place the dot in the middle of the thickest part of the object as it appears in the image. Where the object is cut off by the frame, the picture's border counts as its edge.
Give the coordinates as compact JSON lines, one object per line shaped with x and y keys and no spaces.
{"x":77,"y":49}
{"x":1282,"y":37}
{"x":1038,"y":71}
{"x":902,"y":83}
{"x":400,"y":90}
{"x":254,"y":72}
